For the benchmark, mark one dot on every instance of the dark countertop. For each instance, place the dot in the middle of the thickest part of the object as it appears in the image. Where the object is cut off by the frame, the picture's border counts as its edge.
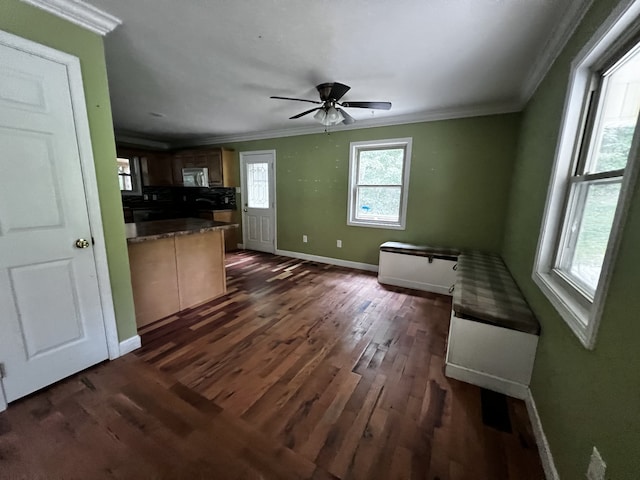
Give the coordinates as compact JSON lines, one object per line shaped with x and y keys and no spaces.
{"x":154,"y":230}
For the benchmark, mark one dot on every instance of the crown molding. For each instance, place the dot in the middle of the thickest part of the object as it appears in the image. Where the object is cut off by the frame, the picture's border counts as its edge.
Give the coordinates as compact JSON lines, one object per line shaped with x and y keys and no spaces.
{"x":80,"y":13}
{"x":436,"y":115}
{"x":570,"y":18}
{"x":132,"y":140}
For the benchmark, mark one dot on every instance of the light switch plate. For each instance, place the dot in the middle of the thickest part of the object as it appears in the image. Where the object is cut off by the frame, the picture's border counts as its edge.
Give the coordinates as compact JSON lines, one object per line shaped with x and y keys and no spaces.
{"x":597,"y":467}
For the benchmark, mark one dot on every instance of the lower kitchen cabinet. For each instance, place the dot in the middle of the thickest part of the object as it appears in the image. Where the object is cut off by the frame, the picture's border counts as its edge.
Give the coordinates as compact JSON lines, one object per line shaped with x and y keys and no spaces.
{"x":172,"y":274}
{"x":229,"y":216}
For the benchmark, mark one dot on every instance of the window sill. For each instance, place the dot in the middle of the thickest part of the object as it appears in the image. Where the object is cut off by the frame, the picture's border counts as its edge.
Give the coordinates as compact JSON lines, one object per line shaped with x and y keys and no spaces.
{"x":570,"y":309}
{"x":386,"y":226}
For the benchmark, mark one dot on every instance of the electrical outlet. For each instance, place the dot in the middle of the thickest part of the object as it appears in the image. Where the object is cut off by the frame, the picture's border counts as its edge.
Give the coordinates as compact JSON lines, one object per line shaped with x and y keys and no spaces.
{"x":304,"y":238}
{"x":597,"y":467}
{"x":339,"y":243}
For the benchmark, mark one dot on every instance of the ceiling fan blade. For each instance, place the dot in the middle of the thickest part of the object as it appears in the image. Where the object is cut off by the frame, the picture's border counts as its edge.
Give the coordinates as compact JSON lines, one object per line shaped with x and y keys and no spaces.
{"x":304,"y":113}
{"x":348,"y":119}
{"x":332,"y":91}
{"x":297,"y":100}
{"x":372,"y":105}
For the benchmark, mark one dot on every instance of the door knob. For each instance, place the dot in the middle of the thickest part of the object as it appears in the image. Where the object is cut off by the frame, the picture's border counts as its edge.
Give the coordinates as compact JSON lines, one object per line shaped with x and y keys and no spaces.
{"x":82,"y":243}
{"x":245,"y":210}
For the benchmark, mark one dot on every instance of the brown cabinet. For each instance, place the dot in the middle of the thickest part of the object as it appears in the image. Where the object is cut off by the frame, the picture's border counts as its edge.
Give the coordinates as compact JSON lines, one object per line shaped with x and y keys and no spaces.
{"x":219,"y":161}
{"x":230,"y":234}
{"x":172,"y":274}
{"x":164,"y":169}
{"x":157,"y":170}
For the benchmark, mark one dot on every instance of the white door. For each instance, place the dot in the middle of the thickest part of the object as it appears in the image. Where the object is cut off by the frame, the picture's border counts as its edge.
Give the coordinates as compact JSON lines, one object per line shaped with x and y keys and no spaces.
{"x":51,"y":319}
{"x":258,"y":200}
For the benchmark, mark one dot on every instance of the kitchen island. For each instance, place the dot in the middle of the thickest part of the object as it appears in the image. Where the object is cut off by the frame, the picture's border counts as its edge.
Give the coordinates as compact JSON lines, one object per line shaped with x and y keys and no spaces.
{"x":175,"y":265}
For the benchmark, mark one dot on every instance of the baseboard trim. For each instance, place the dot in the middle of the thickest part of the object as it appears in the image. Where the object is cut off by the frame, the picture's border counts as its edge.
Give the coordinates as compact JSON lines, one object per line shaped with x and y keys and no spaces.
{"x":549,"y":466}
{"x":130,"y":344}
{"x":3,"y":399}
{"x":426,"y":287}
{"x":484,"y":380}
{"x":329,"y":260}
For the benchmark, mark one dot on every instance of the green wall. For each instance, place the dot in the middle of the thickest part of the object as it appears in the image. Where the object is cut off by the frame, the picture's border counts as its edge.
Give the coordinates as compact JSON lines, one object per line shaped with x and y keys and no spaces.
{"x":584,"y":398}
{"x":459,"y":184}
{"x":34,"y":24}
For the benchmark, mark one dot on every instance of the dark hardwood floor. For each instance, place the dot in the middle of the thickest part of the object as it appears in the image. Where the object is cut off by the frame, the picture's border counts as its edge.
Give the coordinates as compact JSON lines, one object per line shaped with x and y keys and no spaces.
{"x":300,"y":371}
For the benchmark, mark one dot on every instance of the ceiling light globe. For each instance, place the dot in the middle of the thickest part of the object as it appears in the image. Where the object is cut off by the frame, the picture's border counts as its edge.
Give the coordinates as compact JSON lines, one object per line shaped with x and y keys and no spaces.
{"x":320,"y":116}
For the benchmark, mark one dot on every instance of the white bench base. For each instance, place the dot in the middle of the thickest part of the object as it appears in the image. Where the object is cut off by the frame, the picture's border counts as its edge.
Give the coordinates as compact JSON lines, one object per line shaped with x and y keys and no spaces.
{"x":413,"y":271}
{"x":489,"y":356}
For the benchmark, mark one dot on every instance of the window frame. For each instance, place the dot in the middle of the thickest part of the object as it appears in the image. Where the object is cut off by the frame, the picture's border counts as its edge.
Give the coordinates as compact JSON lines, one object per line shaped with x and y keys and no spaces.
{"x":134,"y":165}
{"x":354,"y":156}
{"x":581,"y":311}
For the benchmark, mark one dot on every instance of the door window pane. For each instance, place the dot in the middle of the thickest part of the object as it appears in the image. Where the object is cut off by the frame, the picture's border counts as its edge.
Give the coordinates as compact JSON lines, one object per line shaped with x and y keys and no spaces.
{"x":258,"y":185}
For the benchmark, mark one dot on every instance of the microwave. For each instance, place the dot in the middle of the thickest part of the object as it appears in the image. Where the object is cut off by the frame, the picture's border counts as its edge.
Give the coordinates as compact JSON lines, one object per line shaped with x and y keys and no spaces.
{"x":195,"y":177}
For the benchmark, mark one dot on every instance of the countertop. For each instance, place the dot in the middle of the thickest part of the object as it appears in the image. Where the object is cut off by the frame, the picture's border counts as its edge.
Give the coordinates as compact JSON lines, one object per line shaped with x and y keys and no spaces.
{"x":156,"y":229}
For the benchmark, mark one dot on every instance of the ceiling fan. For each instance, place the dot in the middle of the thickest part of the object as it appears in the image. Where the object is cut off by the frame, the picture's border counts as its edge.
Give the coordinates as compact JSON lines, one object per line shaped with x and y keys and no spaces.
{"x":329,"y":111}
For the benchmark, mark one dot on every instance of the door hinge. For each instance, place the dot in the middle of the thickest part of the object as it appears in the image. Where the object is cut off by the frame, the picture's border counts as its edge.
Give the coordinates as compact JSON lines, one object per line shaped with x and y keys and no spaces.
{"x":2,"y":371}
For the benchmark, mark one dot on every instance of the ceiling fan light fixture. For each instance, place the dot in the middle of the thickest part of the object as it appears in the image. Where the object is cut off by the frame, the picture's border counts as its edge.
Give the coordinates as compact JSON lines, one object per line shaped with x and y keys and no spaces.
{"x":334,"y":117}
{"x":320,"y":116}
{"x":327,"y":113}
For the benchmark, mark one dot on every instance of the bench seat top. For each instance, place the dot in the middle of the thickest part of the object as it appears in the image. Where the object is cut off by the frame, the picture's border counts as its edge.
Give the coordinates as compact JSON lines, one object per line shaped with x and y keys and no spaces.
{"x":420,"y":250}
{"x":485,"y":291}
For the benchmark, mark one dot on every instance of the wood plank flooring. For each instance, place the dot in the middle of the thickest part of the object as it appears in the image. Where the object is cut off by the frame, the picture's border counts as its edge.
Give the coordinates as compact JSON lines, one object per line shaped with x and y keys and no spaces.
{"x":302,"y":371}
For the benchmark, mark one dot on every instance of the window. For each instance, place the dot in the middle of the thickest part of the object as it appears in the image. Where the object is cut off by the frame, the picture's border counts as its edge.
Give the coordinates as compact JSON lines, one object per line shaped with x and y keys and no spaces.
{"x":128,"y":176}
{"x":596,"y":164}
{"x":378,"y":183}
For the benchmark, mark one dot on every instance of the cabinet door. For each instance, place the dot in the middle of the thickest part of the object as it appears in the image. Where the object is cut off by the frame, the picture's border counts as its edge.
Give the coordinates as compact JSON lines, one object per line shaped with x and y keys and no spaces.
{"x":200,"y":267}
{"x":157,"y":170}
{"x":181,"y":160}
{"x":154,"y":280}
{"x":212,"y":160}
{"x":231,"y":234}
{"x":230,"y":169}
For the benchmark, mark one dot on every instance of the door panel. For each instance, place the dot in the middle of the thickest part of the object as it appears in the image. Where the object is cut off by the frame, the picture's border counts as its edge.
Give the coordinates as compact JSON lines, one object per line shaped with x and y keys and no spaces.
{"x":52,"y":324}
{"x":258,"y":191}
{"x":28,"y":167}
{"x":53,"y":284}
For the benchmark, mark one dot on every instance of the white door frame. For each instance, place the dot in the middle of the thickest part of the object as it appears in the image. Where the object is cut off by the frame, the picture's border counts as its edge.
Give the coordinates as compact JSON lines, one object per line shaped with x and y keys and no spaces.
{"x":85,"y":150}
{"x":243,"y":187}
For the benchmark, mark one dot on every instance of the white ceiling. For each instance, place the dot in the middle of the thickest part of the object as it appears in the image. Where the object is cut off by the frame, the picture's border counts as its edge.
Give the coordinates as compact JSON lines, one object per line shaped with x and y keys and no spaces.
{"x":210,"y":66}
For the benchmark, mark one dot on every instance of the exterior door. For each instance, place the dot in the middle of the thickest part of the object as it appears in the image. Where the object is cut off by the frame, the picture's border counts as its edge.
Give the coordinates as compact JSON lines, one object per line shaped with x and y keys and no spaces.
{"x":258,"y":200}
{"x":51,"y":324}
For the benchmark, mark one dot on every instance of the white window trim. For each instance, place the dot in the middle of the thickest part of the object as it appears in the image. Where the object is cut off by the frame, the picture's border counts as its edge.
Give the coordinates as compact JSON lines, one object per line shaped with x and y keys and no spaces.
{"x":136,"y":174}
{"x":584,"y":319}
{"x":405,"y":143}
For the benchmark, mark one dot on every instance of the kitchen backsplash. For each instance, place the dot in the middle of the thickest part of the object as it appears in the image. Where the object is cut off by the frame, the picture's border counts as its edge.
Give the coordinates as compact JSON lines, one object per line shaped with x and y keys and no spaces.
{"x":183,"y":197}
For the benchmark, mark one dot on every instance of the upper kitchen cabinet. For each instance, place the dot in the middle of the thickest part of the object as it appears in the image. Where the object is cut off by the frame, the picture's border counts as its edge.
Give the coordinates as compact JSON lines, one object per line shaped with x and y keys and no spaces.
{"x":157,"y":170}
{"x":154,"y":168}
{"x":219,"y":161}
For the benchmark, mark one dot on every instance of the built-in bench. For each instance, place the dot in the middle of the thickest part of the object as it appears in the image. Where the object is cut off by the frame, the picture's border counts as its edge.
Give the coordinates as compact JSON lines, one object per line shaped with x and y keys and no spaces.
{"x":420,"y":267}
{"x":493,"y":335}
